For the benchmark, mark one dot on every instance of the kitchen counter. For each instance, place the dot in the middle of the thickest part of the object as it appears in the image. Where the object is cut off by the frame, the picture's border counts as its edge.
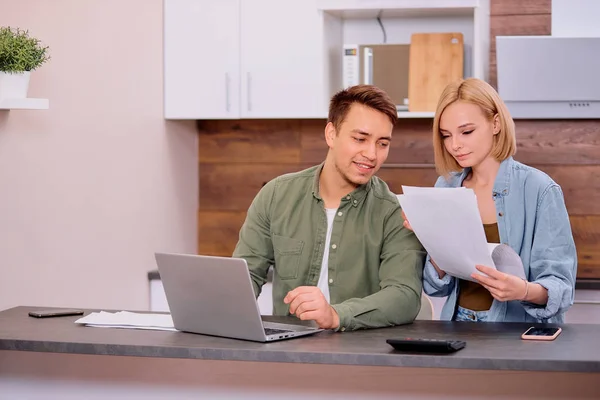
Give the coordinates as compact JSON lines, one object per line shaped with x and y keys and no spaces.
{"x":489,"y":346}
{"x":34,"y":349}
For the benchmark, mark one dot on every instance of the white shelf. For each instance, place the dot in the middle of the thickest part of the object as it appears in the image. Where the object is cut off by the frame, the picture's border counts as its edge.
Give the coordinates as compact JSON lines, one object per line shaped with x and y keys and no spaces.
{"x":415,"y":114}
{"x":353,"y":22}
{"x":24,"y":104}
{"x":397,"y":8}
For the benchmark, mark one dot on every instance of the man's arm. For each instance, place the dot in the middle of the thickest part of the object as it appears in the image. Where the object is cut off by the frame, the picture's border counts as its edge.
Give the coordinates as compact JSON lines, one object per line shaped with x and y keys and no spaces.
{"x":400,"y":275}
{"x":255,"y":244}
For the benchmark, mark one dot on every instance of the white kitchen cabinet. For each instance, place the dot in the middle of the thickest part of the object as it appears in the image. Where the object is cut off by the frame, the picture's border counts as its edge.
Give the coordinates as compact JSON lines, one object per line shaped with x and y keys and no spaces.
{"x":245,"y":59}
{"x":201,"y":59}
{"x":283,"y":60}
{"x":232,"y":59}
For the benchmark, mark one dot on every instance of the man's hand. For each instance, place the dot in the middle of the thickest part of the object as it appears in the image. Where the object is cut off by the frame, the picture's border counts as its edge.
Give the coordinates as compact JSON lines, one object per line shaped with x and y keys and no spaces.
{"x":308,"y":303}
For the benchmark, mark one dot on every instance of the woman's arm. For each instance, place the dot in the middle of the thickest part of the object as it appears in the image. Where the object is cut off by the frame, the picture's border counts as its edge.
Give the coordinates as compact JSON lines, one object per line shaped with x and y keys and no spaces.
{"x":553,"y":266}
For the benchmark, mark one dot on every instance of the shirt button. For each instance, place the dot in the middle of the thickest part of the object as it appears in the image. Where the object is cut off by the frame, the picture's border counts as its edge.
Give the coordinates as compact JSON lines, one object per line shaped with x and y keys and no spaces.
{"x":330,"y":280}
{"x":500,"y":213}
{"x":343,"y":328}
{"x":334,"y":246}
{"x":340,"y":214}
{"x":355,"y":201}
{"x":347,"y":197}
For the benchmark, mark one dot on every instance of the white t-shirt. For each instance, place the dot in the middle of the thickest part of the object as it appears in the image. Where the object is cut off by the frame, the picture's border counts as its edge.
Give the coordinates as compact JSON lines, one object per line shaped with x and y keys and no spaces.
{"x":323,"y":283}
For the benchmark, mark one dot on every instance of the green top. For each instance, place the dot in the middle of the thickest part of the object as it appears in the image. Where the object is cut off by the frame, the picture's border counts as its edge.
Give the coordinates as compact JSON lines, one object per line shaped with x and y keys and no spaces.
{"x":375,"y":265}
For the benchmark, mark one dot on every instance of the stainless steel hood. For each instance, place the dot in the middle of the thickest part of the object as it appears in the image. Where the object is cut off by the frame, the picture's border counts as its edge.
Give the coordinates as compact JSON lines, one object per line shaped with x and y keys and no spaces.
{"x":547,"y":77}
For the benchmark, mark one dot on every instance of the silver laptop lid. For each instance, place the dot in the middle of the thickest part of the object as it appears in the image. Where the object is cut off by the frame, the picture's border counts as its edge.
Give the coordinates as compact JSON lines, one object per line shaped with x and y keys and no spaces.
{"x":210,"y":295}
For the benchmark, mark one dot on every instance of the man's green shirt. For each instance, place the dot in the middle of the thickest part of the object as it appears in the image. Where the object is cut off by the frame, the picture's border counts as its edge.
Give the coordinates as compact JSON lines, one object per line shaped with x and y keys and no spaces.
{"x":375,"y":265}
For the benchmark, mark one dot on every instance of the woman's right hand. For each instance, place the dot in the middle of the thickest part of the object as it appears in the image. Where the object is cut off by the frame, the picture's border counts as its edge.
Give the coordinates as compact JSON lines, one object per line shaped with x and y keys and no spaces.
{"x":406,"y":224}
{"x":441,"y":273}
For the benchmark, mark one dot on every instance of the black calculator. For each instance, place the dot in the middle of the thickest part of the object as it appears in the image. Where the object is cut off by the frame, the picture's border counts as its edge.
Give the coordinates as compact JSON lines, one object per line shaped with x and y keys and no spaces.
{"x":426,"y":345}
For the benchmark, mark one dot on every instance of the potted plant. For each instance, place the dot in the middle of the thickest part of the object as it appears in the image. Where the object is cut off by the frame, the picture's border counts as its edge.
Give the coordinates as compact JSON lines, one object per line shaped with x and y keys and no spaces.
{"x":19,"y":55}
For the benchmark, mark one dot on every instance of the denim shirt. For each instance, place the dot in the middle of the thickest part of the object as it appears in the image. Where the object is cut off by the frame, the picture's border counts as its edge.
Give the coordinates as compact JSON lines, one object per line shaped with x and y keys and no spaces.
{"x":533,"y":220}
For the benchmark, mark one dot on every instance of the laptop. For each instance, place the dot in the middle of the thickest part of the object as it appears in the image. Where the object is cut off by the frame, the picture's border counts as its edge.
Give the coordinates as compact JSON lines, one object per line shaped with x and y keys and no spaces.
{"x":213,"y":295}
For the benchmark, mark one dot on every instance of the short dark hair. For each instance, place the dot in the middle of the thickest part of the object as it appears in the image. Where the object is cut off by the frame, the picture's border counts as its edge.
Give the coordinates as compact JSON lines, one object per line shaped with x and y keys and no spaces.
{"x":367,"y":95}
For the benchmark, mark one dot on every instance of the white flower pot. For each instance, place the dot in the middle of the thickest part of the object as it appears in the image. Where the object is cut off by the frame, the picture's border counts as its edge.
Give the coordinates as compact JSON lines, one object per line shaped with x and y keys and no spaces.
{"x":14,"y":86}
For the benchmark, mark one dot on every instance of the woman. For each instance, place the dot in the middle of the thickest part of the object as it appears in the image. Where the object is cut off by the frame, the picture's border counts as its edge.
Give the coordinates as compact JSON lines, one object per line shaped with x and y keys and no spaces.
{"x":474,"y":141}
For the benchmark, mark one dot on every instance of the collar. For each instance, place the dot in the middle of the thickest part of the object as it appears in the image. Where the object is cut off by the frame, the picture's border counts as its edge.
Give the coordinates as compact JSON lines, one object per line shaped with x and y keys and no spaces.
{"x":502,"y":181}
{"x":355,"y":197}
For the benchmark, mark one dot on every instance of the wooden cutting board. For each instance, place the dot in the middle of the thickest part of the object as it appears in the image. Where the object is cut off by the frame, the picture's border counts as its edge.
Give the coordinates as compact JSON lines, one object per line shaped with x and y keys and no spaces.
{"x":436,"y":59}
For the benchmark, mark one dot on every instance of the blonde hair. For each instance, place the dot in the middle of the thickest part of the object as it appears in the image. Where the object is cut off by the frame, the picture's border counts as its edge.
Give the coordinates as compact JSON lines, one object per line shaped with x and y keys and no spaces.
{"x":478,"y":92}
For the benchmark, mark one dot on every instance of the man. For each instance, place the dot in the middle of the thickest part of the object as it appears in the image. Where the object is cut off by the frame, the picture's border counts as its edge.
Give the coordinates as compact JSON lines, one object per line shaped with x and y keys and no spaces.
{"x":334,"y":232}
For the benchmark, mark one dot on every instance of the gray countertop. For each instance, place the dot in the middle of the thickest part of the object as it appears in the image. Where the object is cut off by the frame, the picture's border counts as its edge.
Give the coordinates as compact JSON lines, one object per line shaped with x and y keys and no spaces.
{"x":491,"y":346}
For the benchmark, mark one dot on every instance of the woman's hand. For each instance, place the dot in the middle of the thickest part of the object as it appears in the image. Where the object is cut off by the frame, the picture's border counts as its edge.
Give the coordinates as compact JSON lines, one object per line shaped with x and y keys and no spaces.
{"x":506,"y":287}
{"x":503,"y":287}
{"x":406,"y":224}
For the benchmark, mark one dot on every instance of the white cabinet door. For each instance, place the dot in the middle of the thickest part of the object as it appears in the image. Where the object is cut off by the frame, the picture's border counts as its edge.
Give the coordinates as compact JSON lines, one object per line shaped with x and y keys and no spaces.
{"x":282,"y":60}
{"x":202,"y":62}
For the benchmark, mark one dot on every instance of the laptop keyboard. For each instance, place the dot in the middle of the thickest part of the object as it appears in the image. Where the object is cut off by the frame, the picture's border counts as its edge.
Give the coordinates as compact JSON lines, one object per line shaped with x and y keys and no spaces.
{"x":273,"y":331}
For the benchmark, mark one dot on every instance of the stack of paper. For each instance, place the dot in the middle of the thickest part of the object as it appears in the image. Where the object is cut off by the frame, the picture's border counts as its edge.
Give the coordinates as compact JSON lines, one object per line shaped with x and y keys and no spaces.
{"x":128,"y":320}
{"x":448,"y":224}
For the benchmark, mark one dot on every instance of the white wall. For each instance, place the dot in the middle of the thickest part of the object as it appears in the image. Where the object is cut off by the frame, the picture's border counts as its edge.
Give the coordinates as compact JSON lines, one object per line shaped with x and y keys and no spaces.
{"x":575,"y":18}
{"x":90,"y":188}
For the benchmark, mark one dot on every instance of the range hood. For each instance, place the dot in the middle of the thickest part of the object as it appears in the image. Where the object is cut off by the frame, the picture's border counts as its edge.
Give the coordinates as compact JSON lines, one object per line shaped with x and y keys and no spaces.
{"x":548,"y":77}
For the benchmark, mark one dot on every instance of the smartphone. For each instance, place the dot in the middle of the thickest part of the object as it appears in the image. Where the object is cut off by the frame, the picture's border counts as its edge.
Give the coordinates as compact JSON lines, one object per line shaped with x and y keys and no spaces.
{"x":534,"y":333}
{"x":58,"y":312}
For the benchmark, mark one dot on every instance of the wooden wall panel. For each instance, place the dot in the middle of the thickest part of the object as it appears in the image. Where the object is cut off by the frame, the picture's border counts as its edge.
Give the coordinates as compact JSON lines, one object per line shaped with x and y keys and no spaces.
{"x":396,"y":177}
{"x":519,"y":25}
{"x":237,"y":157}
{"x":218,"y":231}
{"x":514,"y":25}
{"x":538,"y":142}
{"x":520,"y":7}
{"x":558,"y":142}
{"x":232,"y":186}
{"x":246,"y":141}
{"x":586,"y":232}
{"x":580,"y":185}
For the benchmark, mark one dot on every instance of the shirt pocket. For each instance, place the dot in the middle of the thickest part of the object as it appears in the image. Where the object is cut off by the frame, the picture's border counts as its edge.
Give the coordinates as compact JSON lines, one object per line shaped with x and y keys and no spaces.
{"x":288,"y":252}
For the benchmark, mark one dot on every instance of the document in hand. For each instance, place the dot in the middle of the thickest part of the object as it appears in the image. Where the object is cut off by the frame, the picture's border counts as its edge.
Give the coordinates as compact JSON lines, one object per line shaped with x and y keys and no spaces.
{"x":448,"y":224}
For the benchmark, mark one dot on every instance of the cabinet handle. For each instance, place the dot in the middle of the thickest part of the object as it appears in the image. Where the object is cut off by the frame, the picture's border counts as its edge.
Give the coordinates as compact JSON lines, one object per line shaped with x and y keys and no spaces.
{"x":249,"y":83}
{"x":227,"y":105}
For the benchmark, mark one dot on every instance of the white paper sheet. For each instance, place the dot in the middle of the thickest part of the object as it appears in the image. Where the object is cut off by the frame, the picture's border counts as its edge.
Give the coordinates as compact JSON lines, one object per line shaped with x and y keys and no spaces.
{"x":448,"y":224}
{"x":506,"y":259}
{"x":128,"y":320}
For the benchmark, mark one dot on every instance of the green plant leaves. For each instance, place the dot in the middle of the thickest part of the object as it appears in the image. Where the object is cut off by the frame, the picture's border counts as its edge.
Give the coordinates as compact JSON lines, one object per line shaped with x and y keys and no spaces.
{"x":19,"y":52}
